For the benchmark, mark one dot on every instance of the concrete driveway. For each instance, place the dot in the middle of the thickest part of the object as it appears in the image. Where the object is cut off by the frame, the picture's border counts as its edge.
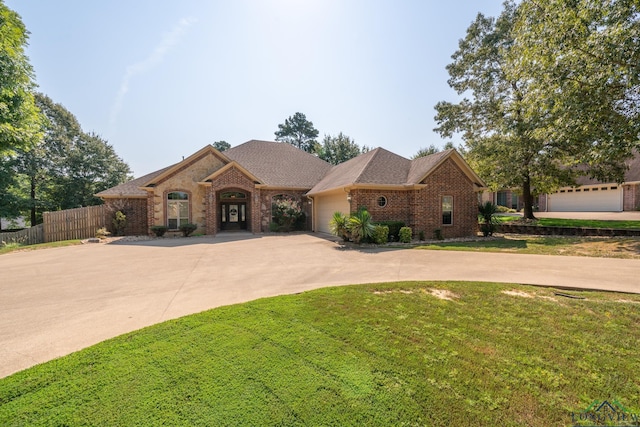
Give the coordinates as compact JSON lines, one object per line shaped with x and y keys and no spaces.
{"x":56,"y":301}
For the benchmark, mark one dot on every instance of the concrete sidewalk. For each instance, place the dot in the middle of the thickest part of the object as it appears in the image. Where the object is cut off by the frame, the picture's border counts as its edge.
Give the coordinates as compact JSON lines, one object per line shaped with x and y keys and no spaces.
{"x":56,"y":301}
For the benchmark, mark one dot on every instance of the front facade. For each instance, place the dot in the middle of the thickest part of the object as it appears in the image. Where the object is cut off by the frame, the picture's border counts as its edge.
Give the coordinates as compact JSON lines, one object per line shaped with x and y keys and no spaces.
{"x":236,"y":189}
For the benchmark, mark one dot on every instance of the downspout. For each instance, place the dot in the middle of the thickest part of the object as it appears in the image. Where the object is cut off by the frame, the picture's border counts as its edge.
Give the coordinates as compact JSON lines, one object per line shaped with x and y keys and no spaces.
{"x":313,"y":213}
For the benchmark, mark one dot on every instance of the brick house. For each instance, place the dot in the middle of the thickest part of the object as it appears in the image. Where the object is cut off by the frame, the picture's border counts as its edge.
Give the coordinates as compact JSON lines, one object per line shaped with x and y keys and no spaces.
{"x":587,"y":195}
{"x":235,"y":189}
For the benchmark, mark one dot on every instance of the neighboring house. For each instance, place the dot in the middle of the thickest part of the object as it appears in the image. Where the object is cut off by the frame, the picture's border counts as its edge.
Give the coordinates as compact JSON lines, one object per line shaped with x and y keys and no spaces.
{"x":588,"y":195}
{"x":234,"y":190}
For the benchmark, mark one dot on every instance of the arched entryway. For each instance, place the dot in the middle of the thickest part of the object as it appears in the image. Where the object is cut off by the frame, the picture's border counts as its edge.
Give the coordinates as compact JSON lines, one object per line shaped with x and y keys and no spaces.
{"x":233,"y":210}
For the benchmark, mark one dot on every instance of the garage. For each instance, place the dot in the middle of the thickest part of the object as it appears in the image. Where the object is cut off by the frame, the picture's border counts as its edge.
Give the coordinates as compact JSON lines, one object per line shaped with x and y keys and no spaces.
{"x":588,"y":198}
{"x":324,"y":207}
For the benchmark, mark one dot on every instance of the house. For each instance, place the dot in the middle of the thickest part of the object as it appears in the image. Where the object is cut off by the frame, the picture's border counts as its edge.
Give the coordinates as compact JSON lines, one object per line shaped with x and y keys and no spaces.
{"x":234,"y":190}
{"x":588,"y":195}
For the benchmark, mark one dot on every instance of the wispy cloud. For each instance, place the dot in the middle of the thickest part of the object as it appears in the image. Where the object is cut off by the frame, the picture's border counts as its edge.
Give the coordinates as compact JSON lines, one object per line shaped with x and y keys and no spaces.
{"x":169,"y":40}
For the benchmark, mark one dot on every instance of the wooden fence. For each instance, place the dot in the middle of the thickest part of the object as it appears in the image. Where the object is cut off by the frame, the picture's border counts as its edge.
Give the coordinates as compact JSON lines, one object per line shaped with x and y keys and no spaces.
{"x":80,"y":223}
{"x":28,"y":236}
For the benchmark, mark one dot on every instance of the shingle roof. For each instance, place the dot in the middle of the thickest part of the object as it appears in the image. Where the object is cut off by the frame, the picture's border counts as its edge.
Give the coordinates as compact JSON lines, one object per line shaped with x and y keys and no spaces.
{"x":130,"y":188}
{"x":383,"y":167}
{"x":279,"y":164}
{"x":632,"y":174}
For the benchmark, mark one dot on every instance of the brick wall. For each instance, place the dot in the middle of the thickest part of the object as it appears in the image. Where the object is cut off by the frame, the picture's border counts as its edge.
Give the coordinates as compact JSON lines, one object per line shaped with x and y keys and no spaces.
{"x":135,"y":211}
{"x":447,"y":180}
{"x":631,"y":198}
{"x":421,"y":209}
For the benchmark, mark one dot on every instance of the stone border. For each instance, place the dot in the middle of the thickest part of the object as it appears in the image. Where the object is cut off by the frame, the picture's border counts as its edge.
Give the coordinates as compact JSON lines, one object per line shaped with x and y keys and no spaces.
{"x":566,"y":231}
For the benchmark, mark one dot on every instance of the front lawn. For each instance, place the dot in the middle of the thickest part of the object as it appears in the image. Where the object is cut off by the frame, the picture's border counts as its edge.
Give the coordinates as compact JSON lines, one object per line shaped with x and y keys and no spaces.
{"x":563,"y":222}
{"x":607,"y":247}
{"x":13,"y":247}
{"x":411,"y":353}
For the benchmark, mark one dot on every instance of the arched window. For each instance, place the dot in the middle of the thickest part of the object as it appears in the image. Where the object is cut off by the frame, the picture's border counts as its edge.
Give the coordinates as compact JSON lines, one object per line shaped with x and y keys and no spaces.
{"x":177,"y":209}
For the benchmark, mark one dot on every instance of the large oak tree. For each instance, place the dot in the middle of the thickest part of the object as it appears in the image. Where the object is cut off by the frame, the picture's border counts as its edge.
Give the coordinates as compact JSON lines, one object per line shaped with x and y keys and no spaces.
{"x":534,"y":112}
{"x":19,"y":118}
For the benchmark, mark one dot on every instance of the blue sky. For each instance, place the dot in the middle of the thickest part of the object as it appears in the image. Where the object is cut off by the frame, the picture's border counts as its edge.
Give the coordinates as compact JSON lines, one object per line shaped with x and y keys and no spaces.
{"x":161,"y":79}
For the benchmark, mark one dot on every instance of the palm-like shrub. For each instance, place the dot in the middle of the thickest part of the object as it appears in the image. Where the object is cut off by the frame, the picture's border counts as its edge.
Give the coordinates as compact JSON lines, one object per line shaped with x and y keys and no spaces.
{"x":338,"y":226}
{"x":487,"y":219}
{"x":360,"y":226}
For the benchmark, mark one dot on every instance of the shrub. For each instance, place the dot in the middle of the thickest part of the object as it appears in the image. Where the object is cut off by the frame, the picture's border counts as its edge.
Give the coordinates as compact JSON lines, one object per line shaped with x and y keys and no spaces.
{"x":187,"y":229}
{"x":274,"y":227}
{"x":394,"y":229}
{"x":487,"y":220}
{"x":437,"y":234}
{"x":405,"y":234}
{"x":360,"y":226}
{"x":119,"y":223}
{"x":421,"y":235}
{"x":286,"y":212}
{"x":380,"y":234}
{"x":159,"y":230}
{"x":338,"y":225}
{"x":102,"y":233}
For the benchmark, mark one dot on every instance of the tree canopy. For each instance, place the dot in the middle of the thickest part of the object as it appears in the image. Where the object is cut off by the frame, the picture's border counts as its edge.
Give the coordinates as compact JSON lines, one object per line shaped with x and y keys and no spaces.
{"x":19,"y":118}
{"x":299,"y":132}
{"x":62,"y":170}
{"x":339,"y":149}
{"x":221,"y":145}
{"x":536,"y":110}
{"x":432,"y":149}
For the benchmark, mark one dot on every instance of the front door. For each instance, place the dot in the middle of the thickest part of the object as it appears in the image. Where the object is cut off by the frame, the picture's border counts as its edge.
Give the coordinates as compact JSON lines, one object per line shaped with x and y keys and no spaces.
{"x":233,"y":216}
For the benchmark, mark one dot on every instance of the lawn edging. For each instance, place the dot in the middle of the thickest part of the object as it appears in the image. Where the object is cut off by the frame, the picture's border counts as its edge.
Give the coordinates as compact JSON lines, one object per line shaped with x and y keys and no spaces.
{"x":566,"y":231}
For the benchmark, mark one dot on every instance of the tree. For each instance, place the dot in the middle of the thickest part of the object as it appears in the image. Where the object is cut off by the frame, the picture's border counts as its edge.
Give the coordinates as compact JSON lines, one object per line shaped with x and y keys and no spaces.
{"x":543,"y":108}
{"x":66,"y":167}
{"x":583,"y":58}
{"x":299,"y":132}
{"x":19,"y":117}
{"x":339,"y":149}
{"x":432,"y":149}
{"x":91,"y":166}
{"x":502,"y":142}
{"x":221,"y":145}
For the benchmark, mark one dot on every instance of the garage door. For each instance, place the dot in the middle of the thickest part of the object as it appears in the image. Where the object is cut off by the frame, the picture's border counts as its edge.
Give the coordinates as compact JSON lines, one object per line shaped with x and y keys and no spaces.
{"x":602,"y":198}
{"x":326,"y":205}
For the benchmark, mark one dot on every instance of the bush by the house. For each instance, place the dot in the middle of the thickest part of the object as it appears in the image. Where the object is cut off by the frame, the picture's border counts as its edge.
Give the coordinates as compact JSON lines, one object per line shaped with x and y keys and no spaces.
{"x":159,"y":230}
{"x":405,"y":234}
{"x":486,"y":218}
{"x":360,"y":226}
{"x":286,"y":212}
{"x":504,"y":209}
{"x":119,"y":223}
{"x":394,"y":229}
{"x":338,"y":226}
{"x":187,"y":229}
{"x":380,"y":234}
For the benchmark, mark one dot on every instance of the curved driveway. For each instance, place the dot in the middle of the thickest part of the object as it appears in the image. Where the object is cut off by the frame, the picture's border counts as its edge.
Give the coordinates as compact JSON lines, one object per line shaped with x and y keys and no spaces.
{"x":56,"y":301}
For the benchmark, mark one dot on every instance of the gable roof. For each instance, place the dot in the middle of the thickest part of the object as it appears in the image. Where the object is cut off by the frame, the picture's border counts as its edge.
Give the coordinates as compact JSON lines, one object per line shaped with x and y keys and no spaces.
{"x":131,"y":189}
{"x":278,"y":164}
{"x":381,"y":167}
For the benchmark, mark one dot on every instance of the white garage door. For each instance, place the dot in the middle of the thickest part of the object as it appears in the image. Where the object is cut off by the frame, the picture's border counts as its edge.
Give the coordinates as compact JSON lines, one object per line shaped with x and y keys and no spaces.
{"x":326,"y":205}
{"x":602,"y":198}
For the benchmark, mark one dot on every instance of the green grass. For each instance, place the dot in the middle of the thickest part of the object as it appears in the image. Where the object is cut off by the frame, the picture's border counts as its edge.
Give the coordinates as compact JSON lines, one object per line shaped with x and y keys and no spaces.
{"x":562,"y":222}
{"x":608,"y":247}
{"x":374,"y":355}
{"x":12,"y":247}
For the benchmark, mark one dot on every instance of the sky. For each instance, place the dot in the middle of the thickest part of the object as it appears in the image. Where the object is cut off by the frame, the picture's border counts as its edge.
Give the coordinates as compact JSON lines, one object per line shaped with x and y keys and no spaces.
{"x":161,"y":79}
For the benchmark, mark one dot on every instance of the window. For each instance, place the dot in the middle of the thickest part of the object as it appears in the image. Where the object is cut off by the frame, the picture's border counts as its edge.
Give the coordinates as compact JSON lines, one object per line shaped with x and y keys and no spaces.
{"x":501,"y":198}
{"x":177,"y":209}
{"x":447,"y":210}
{"x":382,"y":201}
{"x":233,"y":195}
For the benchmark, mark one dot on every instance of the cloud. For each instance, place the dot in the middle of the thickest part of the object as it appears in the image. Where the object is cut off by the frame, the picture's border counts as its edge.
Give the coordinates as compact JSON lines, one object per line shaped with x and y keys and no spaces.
{"x":169,"y":40}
